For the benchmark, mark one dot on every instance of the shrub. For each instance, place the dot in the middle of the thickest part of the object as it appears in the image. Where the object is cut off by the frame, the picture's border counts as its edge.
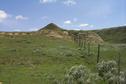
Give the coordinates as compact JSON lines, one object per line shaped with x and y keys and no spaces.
{"x":109,"y":72}
{"x":80,"y":75}
{"x":106,"y":67}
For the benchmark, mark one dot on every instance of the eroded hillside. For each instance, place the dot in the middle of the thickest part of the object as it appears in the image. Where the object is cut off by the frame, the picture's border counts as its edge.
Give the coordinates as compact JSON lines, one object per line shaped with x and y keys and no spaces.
{"x":54,"y":31}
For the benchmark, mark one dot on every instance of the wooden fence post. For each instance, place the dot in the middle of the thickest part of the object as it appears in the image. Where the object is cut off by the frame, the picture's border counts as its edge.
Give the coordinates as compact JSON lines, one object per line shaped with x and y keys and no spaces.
{"x":79,"y":40}
{"x":98,"y":55}
{"x":118,"y":62}
{"x":84,"y":41}
{"x":88,"y":48}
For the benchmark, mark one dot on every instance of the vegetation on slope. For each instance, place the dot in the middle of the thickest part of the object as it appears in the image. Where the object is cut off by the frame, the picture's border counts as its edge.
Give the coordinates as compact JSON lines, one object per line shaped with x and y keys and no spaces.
{"x":38,"y":59}
{"x":113,"y":35}
{"x":87,"y":36}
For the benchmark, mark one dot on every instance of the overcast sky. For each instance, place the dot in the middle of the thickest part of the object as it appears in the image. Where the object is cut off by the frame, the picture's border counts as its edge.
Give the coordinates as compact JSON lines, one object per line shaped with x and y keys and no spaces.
{"x":29,"y":15}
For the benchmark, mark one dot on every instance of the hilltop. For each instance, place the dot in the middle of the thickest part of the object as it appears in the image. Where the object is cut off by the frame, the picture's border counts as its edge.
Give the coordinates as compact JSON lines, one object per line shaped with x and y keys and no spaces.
{"x":51,"y":26}
{"x":52,"y":30}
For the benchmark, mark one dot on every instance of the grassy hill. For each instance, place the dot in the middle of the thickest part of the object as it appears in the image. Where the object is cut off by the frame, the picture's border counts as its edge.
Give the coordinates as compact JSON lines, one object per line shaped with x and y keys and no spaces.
{"x":36,"y":59}
{"x":113,"y":35}
{"x":33,"y":59}
{"x":39,"y":59}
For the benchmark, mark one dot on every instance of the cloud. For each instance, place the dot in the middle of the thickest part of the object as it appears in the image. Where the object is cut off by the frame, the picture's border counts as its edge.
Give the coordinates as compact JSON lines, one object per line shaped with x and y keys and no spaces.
{"x":3,"y":15}
{"x":67,"y":22}
{"x":47,"y":1}
{"x":74,"y":20}
{"x":70,"y":2}
{"x":33,"y":29}
{"x":66,"y":2}
{"x":76,"y":29}
{"x":91,"y":25}
{"x":20,"y":17}
{"x":84,"y":25}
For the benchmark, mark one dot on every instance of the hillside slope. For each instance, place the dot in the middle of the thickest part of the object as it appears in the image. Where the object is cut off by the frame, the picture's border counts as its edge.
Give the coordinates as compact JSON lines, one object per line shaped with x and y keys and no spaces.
{"x":32,"y":59}
{"x":38,"y":59}
{"x":87,"y":36}
{"x":52,"y":30}
{"x":113,"y":35}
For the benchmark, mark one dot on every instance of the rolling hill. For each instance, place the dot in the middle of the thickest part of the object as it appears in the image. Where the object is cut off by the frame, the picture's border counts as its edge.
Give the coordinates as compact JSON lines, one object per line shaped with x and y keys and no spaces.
{"x":54,"y":31}
{"x":41,"y":57}
{"x":113,"y":35}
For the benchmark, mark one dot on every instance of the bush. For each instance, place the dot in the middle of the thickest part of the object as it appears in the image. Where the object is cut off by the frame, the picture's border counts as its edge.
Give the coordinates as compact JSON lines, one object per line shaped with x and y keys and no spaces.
{"x":109,"y":72}
{"x":80,"y":75}
{"x":106,"y":67}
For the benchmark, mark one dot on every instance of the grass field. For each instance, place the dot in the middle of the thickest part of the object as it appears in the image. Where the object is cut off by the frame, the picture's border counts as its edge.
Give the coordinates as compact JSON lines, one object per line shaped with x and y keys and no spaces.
{"x":38,"y":59}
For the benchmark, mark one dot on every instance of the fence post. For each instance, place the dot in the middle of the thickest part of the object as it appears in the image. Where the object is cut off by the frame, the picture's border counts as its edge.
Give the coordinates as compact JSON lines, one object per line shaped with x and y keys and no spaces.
{"x":88,"y":48}
{"x":79,"y":40}
{"x":74,"y":38}
{"x":98,"y":55}
{"x":118,"y":62}
{"x":84,"y":41}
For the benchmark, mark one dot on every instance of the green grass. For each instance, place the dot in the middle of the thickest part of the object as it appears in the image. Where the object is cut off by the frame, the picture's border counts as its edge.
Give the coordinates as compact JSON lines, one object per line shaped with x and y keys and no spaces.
{"x":38,"y":59}
{"x":113,"y":35}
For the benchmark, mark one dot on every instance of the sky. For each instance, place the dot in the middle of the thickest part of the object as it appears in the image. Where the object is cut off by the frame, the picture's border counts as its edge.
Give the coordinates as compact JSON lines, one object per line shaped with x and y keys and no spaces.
{"x":31,"y":15}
